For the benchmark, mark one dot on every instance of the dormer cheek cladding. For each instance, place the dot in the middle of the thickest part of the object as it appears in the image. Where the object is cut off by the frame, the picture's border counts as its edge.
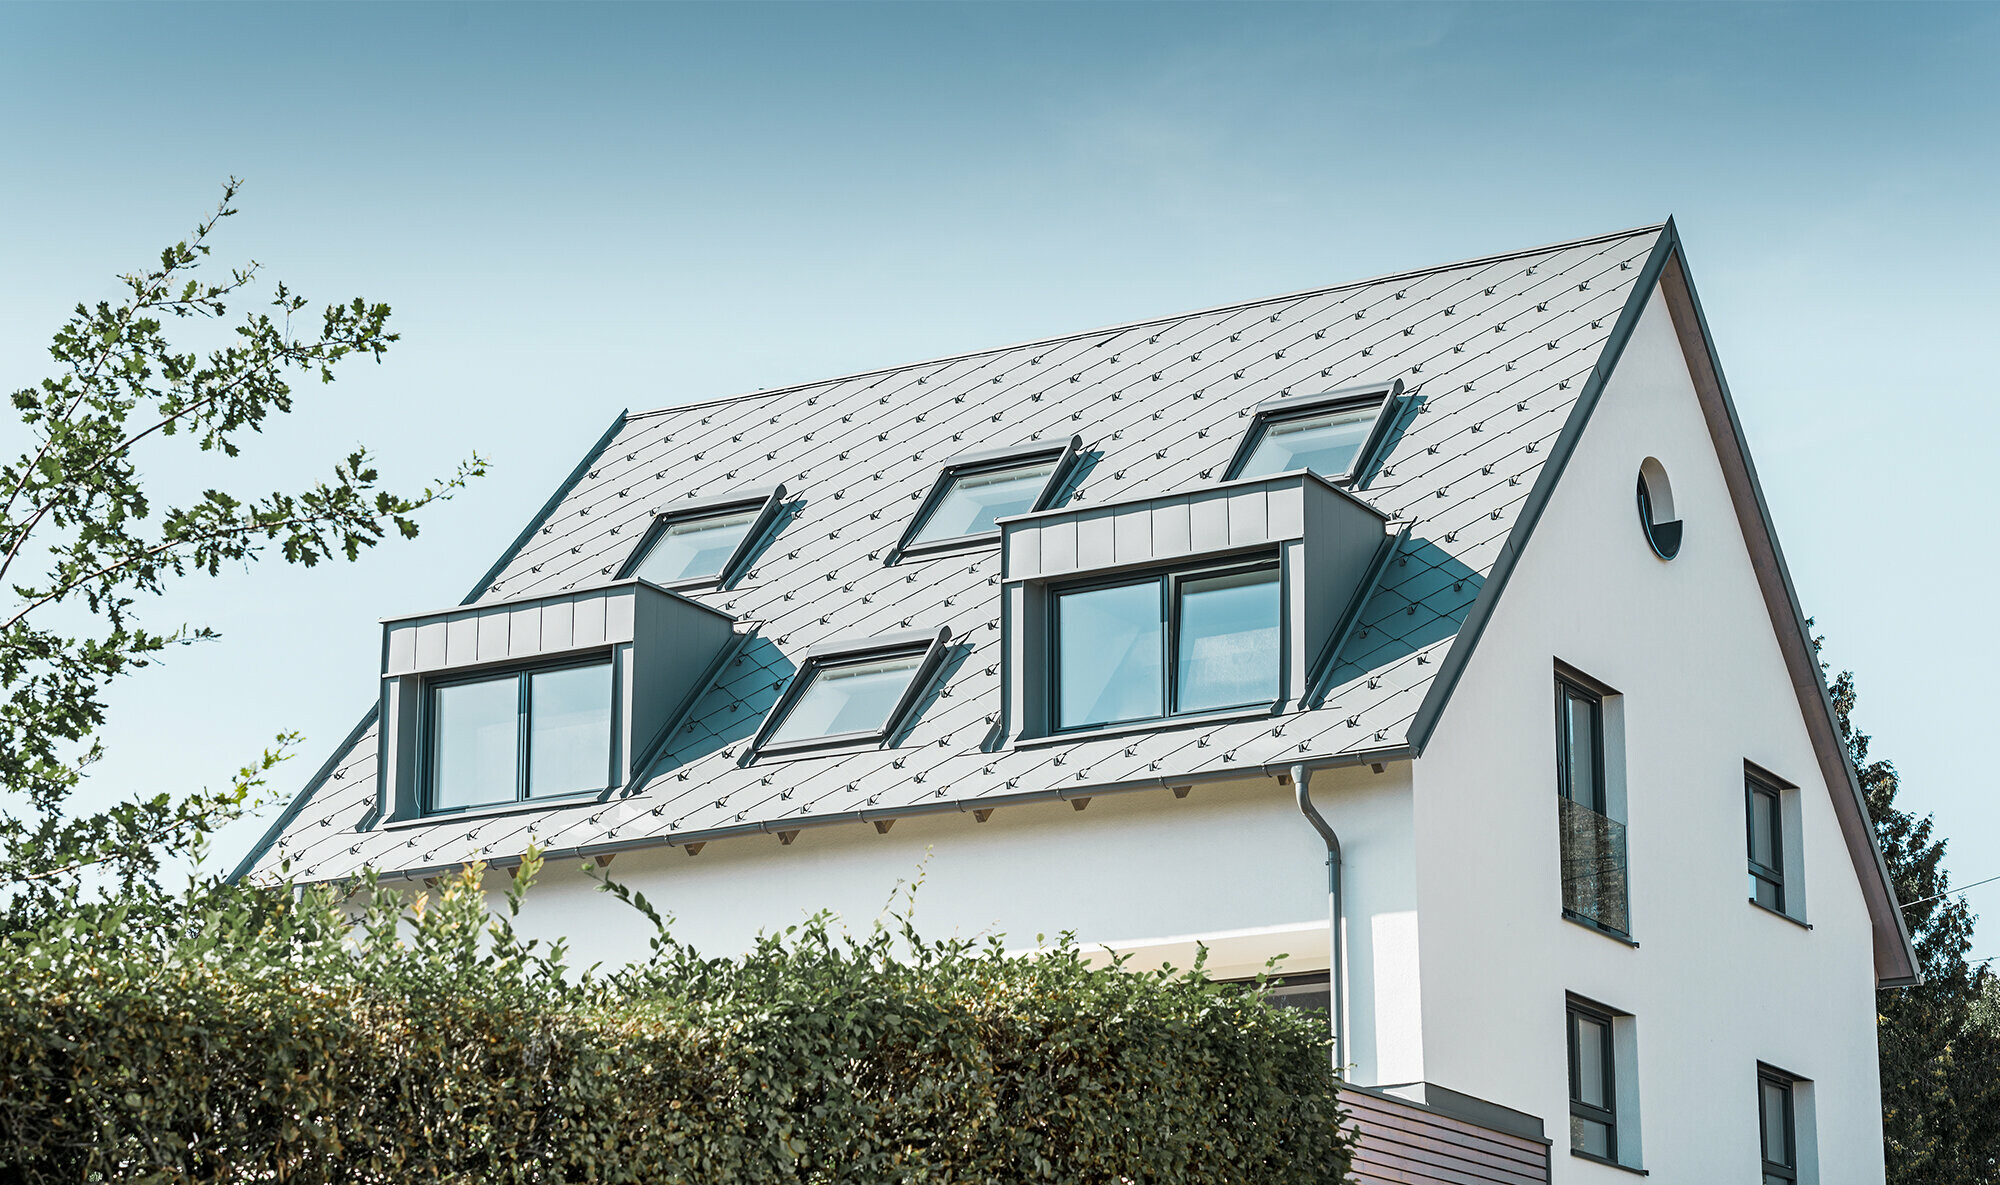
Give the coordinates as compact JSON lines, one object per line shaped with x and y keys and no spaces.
{"x":1325,"y":540}
{"x":663,"y":649}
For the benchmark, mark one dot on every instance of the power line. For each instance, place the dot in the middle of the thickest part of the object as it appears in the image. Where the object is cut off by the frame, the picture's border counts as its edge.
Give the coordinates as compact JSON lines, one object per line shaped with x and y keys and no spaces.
{"x":1948,"y":892}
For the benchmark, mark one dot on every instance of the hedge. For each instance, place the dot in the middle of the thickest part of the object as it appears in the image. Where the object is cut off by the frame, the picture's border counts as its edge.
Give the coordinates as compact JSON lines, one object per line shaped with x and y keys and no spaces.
{"x":274,"y":1035}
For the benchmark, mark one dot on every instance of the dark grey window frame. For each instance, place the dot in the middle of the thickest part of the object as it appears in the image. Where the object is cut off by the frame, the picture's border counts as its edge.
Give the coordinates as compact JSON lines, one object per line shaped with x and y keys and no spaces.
{"x":1062,"y":452}
{"x":1389,"y":397}
{"x":769,"y":501}
{"x":523,"y":729}
{"x":1566,"y":688}
{"x":1607,"y":1114}
{"x":1757,"y":786}
{"x":1168,"y":578}
{"x":1663,"y":537}
{"x":930,"y":644}
{"x":1786,"y":1082}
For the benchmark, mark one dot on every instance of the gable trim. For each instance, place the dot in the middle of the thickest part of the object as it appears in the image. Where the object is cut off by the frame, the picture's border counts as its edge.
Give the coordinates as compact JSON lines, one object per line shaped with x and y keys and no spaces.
{"x":1666,"y":270}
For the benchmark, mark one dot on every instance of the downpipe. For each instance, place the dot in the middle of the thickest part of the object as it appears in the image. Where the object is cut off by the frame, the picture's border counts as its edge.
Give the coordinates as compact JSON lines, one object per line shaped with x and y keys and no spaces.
{"x":1336,"y":969}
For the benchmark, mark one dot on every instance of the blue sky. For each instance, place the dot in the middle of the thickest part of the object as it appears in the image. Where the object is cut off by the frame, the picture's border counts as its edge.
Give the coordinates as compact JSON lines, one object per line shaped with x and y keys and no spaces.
{"x":577,"y":209}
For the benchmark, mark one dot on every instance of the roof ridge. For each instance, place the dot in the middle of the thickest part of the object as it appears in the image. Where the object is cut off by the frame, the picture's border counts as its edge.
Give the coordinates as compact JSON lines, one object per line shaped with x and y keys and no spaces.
{"x":1122,"y":326}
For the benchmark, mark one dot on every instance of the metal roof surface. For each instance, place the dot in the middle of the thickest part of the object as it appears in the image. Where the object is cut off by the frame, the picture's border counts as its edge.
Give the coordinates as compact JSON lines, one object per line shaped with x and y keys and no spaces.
{"x":1496,"y":350}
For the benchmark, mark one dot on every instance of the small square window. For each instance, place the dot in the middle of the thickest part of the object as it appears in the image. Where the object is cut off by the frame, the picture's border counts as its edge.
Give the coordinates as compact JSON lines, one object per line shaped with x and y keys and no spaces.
{"x":705,"y":542}
{"x":1167,"y":645}
{"x":535,"y":733}
{"x":852,"y":693}
{"x":975,"y":490}
{"x":1334,"y":435}
{"x":1777,"y":1125}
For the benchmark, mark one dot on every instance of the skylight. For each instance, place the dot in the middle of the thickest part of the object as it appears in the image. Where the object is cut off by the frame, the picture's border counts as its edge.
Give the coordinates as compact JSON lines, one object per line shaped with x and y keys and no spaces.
{"x":854,"y":692}
{"x":848,"y":698}
{"x":695,"y":548}
{"x":973,"y":500}
{"x":1332,"y":434}
{"x":706,"y":540}
{"x":975,"y":489}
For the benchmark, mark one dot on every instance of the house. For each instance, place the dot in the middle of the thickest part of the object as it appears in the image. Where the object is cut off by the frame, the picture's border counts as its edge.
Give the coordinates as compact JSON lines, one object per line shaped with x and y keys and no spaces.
{"x":1443,"y":604}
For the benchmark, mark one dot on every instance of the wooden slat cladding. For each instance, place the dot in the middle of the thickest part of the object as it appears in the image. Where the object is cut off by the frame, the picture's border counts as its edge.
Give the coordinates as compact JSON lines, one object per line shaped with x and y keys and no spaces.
{"x":1402,"y":1143}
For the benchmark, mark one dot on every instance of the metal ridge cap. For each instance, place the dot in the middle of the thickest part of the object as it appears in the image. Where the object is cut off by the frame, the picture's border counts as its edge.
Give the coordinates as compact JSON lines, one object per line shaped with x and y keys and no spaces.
{"x":1146,"y":322}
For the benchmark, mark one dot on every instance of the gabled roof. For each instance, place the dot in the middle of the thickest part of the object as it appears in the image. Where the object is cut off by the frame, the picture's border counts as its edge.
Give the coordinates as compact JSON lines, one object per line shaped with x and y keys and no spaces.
{"x":1496,"y":352}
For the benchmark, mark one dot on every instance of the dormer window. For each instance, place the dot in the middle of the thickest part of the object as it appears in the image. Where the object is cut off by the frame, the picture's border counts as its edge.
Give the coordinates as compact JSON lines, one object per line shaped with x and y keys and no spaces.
{"x":858,"y":692}
{"x":705,"y":541}
{"x":534,"y":733}
{"x":1168,"y":645}
{"x":1335,"y":434}
{"x":975,"y":489}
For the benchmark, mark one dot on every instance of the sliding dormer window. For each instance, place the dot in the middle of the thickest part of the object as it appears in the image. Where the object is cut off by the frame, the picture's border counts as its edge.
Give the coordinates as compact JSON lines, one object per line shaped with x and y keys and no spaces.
{"x":974,"y":490}
{"x":1337,"y":434}
{"x":853,"y":693}
{"x":706,"y":541}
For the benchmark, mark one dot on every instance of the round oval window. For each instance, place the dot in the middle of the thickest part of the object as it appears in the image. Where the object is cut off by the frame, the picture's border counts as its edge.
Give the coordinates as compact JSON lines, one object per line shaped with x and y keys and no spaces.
{"x":1656,"y":509}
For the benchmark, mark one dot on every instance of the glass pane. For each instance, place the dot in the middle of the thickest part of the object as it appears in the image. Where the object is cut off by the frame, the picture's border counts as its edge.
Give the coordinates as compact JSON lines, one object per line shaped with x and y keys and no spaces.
{"x":1325,"y":444}
{"x":974,"y":500}
{"x":1777,"y":1145}
{"x":1588,"y":1135}
{"x":1764,"y":828}
{"x":1592,"y":1040}
{"x":1108,"y":655}
{"x":569,"y":739}
{"x":1226,"y":654}
{"x":695,"y":548}
{"x":1580,"y":750}
{"x":475,"y":742}
{"x":851,"y":697}
{"x":1767,"y":893}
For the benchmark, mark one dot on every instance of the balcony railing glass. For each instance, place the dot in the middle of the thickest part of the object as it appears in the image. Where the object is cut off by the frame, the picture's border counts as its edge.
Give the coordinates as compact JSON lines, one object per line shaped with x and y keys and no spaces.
{"x":1593,"y":868}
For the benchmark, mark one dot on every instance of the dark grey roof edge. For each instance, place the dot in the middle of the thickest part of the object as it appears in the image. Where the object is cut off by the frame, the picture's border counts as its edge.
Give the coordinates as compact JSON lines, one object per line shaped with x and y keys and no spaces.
{"x":304,"y":796}
{"x":1476,"y":619}
{"x":1668,"y":250}
{"x":1793,"y":634}
{"x":1125,"y":326}
{"x":549,"y":507}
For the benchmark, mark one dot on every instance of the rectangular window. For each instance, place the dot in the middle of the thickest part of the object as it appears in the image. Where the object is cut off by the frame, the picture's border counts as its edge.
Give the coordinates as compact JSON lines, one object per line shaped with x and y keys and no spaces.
{"x":527,"y":734}
{"x":1333,"y":434}
{"x":1593,"y":1109}
{"x":853,"y":691}
{"x":848,"y":699}
{"x":1580,"y":744}
{"x":1764,"y":805}
{"x":696,"y":548}
{"x":1594,"y":885}
{"x":1777,"y":1125}
{"x":972,"y":501}
{"x":1167,"y":645}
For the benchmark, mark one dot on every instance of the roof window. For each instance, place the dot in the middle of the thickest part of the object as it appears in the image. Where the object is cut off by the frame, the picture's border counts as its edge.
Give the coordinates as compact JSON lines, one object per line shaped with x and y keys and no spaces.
{"x":858,"y":692}
{"x":705,"y":541}
{"x":1335,"y":434}
{"x":975,"y":489}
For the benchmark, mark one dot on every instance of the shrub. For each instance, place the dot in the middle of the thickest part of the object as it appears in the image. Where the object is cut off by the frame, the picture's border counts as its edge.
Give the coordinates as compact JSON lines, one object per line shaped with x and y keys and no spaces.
{"x":267,"y":1037}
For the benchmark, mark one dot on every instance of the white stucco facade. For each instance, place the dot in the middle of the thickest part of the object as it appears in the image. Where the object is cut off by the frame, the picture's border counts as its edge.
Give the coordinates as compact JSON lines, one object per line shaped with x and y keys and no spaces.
{"x":1715,"y":984}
